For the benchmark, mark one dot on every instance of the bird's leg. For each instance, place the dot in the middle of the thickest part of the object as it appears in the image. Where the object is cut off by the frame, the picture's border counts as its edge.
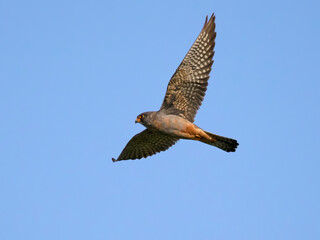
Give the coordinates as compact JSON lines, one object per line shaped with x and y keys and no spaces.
{"x":197,"y":137}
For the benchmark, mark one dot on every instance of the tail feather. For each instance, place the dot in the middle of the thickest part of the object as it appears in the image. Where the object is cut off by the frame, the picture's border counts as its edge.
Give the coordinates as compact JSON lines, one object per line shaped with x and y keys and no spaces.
{"x":226,"y":144}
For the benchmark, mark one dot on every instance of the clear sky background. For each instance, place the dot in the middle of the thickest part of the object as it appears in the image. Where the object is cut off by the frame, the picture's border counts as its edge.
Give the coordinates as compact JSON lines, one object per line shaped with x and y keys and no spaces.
{"x":75,"y":74}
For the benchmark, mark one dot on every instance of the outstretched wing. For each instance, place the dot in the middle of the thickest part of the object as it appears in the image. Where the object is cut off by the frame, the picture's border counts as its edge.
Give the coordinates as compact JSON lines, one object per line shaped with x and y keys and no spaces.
{"x":146,"y":143}
{"x":188,"y":84}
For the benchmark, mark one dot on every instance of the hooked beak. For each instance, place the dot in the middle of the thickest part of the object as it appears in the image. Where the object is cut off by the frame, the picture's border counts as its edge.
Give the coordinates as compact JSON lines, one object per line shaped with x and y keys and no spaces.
{"x":137,"y":120}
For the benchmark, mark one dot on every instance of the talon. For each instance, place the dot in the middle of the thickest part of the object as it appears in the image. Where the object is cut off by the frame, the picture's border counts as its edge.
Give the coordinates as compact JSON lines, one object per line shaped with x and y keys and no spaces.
{"x":197,"y":137}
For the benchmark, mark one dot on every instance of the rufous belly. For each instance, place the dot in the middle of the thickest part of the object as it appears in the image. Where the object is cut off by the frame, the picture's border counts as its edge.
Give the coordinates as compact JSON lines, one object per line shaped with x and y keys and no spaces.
{"x":179,"y":127}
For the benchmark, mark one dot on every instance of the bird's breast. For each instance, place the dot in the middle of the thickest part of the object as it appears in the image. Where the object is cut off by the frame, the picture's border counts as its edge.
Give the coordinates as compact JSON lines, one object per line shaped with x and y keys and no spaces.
{"x":174,"y":125}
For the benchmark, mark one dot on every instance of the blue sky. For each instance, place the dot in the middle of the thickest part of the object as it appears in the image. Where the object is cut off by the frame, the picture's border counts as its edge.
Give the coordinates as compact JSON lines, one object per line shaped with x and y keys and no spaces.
{"x":75,"y":74}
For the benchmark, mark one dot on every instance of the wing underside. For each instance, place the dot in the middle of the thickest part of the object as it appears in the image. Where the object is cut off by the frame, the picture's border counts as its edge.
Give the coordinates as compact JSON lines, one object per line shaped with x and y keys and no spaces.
{"x":187,"y":87}
{"x":146,"y":143}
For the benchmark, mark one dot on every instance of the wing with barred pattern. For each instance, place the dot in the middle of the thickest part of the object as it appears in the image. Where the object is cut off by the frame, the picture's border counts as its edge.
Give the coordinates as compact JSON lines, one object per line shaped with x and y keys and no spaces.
{"x":187,"y":87}
{"x":146,"y":143}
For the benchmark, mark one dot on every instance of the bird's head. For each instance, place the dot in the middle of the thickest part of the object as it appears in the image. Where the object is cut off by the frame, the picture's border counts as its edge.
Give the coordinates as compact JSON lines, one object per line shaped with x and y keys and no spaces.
{"x":145,"y":119}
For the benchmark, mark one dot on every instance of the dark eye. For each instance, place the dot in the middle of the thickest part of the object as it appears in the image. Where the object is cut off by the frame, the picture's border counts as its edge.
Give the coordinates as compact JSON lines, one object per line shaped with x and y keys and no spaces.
{"x":142,"y":116}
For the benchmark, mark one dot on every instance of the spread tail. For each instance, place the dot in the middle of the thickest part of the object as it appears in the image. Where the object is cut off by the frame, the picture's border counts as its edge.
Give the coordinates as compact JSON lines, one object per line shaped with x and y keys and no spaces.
{"x":226,"y":144}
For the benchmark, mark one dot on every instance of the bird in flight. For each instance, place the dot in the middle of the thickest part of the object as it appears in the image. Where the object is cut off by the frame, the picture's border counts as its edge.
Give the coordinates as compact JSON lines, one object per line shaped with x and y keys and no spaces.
{"x":185,"y":92}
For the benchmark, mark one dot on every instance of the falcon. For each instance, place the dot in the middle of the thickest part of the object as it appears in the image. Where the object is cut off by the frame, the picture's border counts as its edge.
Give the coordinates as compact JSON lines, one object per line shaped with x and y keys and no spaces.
{"x":185,"y":93}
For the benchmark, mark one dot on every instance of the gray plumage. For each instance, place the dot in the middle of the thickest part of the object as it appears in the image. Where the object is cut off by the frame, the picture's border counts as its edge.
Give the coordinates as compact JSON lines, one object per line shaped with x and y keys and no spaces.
{"x":184,"y":95}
